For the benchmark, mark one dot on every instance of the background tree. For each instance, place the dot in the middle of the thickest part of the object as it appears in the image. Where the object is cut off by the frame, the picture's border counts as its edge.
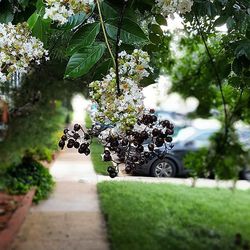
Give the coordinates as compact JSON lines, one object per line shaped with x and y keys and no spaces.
{"x":218,"y":74}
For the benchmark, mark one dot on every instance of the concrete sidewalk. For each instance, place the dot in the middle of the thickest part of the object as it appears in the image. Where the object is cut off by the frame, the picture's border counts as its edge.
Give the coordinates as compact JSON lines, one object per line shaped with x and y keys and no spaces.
{"x":70,"y":219}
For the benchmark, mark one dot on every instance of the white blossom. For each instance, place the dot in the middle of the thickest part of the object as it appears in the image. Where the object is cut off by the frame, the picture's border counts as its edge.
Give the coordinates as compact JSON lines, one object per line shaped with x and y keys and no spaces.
{"x":169,"y":7}
{"x":18,"y":49}
{"x":60,"y":10}
{"x":185,"y":6}
{"x":123,"y":109}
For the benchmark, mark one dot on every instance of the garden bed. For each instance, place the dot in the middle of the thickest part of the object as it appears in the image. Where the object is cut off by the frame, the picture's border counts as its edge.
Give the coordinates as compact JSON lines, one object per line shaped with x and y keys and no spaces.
{"x":13,"y":210}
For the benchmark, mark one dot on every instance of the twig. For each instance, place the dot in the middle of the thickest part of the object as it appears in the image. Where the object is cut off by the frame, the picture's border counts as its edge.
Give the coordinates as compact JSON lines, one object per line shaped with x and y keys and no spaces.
{"x":216,"y":74}
{"x":118,"y":45}
{"x":104,"y":32}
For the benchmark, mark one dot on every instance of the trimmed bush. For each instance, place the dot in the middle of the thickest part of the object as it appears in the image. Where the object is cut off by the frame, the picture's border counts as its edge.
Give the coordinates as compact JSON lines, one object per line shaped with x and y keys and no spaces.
{"x":28,"y":174}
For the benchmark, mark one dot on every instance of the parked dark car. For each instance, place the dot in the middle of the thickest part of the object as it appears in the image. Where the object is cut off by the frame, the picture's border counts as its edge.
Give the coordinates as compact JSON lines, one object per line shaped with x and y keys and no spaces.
{"x":167,"y":166}
{"x":170,"y":163}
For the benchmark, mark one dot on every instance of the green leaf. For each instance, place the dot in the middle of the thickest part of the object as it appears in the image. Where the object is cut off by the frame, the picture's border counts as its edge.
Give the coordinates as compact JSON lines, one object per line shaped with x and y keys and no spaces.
{"x":220,"y":21}
{"x":237,"y":67}
{"x":39,"y":4}
{"x":155,"y":38}
{"x":74,"y":21}
{"x":6,"y":13}
{"x":84,"y":37}
{"x":151,"y":48}
{"x":102,"y":69}
{"x":211,"y":10}
{"x":39,"y":27}
{"x":156,"y":29}
{"x":130,"y":14}
{"x":235,"y":81}
{"x":230,"y":23}
{"x":248,"y":32}
{"x":131,"y":33}
{"x":108,"y":11}
{"x":243,"y":48}
{"x":23,"y":3}
{"x":223,"y":2}
{"x":161,"y":20}
{"x":32,"y":20}
{"x":81,"y":62}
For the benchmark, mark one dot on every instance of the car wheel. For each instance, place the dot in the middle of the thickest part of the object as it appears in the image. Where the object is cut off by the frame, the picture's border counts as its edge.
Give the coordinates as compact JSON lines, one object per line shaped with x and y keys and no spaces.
{"x":163,"y":168}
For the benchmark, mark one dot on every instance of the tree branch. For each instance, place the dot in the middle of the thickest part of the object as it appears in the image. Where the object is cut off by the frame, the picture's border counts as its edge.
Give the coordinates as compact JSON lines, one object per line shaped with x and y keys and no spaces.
{"x":104,"y":32}
{"x":118,"y":45}
{"x":216,"y":74}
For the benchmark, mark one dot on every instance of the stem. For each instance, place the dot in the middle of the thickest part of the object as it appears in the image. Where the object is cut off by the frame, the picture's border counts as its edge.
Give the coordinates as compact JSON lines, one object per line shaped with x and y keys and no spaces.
{"x":216,"y":74}
{"x":117,"y":46}
{"x":104,"y":32}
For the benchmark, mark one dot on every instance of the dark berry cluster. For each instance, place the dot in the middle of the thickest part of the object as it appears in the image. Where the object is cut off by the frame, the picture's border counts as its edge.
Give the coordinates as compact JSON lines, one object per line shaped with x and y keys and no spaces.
{"x":134,"y":147}
{"x":139,"y":144}
{"x":76,"y":138}
{"x":113,"y":171}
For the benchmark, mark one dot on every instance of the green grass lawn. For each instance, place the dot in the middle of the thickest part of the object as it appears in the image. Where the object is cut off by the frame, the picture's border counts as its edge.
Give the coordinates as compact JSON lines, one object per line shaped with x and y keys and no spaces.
{"x":162,"y":216}
{"x":96,"y":149}
{"x":88,"y":122}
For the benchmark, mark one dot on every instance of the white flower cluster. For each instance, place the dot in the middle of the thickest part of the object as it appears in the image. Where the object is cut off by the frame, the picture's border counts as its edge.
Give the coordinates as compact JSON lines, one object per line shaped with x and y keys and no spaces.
{"x":60,"y":10}
{"x":18,"y":49}
{"x":167,"y":7}
{"x":124,"y":109}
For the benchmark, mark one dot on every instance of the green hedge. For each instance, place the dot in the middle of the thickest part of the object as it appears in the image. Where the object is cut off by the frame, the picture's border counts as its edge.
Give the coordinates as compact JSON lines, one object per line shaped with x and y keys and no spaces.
{"x":21,"y":178}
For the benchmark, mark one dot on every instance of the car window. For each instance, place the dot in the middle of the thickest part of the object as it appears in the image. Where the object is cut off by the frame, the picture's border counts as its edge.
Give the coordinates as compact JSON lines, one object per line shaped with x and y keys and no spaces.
{"x":201,"y":140}
{"x":203,"y":137}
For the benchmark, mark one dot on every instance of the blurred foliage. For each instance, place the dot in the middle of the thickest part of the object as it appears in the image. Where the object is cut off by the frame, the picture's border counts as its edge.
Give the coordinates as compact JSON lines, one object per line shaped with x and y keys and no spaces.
{"x":88,"y":121}
{"x":214,"y":67}
{"x":40,"y":108}
{"x":198,"y":79}
{"x":223,"y":162}
{"x":196,"y":163}
{"x":32,"y":133}
{"x":226,"y":161}
{"x":19,"y":179}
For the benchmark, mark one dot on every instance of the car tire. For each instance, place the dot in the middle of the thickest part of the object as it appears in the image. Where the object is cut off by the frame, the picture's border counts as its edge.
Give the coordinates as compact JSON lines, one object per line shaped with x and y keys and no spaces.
{"x":163,"y":168}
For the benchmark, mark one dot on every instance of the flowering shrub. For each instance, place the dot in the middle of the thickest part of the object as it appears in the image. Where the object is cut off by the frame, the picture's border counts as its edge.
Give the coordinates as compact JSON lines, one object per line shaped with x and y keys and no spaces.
{"x":60,"y":10}
{"x":167,"y":7}
{"x":124,"y":108}
{"x":18,"y":49}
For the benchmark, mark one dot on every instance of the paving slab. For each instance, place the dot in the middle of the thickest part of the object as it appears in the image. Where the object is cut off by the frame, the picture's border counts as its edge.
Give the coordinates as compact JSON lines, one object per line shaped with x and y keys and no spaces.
{"x":62,"y":230}
{"x":70,"y":196}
